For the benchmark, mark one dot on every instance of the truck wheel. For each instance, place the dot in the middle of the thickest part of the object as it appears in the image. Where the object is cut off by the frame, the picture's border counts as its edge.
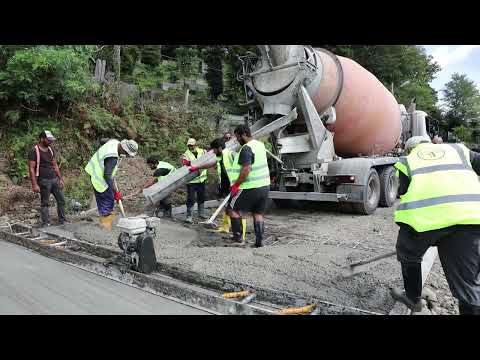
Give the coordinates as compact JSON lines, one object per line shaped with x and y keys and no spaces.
{"x":371,"y":195}
{"x":388,"y":187}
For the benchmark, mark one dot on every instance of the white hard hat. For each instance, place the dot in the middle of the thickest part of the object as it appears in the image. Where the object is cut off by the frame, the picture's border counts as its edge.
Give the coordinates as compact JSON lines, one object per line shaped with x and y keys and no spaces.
{"x":416,"y":140}
{"x":130,"y":147}
{"x":192,"y":141}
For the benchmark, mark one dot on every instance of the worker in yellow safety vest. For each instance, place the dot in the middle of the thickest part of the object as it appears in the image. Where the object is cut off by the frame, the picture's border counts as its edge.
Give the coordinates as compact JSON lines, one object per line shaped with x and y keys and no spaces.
{"x":161,"y":170}
{"x":196,"y":187}
{"x":250,"y":186}
{"x":102,"y":168}
{"x":224,"y":163}
{"x":440,"y":201}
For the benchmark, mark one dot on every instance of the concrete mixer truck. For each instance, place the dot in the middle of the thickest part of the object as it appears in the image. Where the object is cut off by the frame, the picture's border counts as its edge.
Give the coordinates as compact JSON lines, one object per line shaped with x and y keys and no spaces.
{"x":335,"y":130}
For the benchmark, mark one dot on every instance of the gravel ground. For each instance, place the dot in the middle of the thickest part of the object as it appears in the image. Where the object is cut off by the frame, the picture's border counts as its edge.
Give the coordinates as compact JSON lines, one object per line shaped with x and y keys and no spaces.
{"x":304,"y":253}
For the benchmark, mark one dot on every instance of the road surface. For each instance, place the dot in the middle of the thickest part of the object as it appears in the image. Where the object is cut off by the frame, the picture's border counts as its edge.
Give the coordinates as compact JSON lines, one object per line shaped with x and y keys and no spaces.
{"x":34,"y":284}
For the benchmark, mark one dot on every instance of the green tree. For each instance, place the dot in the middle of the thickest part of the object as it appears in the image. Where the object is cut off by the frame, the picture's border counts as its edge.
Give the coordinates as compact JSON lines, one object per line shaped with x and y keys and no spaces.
{"x":188,"y":61}
{"x":213,"y":57}
{"x":463,"y":133}
{"x":462,"y":100}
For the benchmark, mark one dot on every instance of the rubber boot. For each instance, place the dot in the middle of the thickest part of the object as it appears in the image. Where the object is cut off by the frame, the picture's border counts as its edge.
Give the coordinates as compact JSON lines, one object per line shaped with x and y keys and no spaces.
{"x":412,"y":281}
{"x":106,"y":221}
{"x":237,"y":233}
{"x":259,"y":227}
{"x":244,"y":229}
{"x":225,"y":228}
{"x":401,"y":296}
{"x":167,"y":213}
{"x":201,"y":211}
{"x":189,"y":218}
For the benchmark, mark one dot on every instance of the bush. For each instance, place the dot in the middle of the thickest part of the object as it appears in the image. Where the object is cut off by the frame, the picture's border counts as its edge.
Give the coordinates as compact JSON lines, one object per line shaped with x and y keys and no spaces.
{"x":463,"y":133}
{"x":45,"y":75}
{"x":103,"y":122}
{"x":78,"y":189}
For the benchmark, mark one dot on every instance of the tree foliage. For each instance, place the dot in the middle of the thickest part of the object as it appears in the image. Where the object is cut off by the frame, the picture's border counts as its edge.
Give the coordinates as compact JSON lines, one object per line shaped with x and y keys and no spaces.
{"x":44,"y":75}
{"x":462,"y":100}
{"x":213,"y":57}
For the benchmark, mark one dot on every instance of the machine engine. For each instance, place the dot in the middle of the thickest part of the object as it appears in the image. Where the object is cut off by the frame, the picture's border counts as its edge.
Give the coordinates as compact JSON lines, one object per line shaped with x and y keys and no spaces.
{"x":136,"y":241}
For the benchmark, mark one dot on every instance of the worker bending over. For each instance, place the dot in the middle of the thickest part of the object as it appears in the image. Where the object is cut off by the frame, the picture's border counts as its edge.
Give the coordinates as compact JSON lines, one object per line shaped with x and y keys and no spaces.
{"x":161,"y":170}
{"x":46,"y":178}
{"x":196,"y":187}
{"x":102,"y":169}
{"x":251,"y":185}
{"x":225,"y":158}
{"x":439,"y":206}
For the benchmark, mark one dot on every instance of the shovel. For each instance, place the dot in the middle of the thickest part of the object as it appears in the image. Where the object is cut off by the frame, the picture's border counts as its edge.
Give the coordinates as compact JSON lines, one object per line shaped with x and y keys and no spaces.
{"x":120,"y":204}
{"x":355,"y":268}
{"x":209,"y":223}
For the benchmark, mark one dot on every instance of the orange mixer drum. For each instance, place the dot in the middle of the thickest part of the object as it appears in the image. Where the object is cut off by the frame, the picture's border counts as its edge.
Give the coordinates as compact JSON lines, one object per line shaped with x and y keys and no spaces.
{"x":368,"y":116}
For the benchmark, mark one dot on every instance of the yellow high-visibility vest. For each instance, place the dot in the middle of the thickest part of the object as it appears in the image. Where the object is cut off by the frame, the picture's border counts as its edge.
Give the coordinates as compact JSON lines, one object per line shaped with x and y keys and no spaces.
{"x":95,"y":167}
{"x":444,"y":190}
{"x":259,"y":175}
{"x":203,"y":173}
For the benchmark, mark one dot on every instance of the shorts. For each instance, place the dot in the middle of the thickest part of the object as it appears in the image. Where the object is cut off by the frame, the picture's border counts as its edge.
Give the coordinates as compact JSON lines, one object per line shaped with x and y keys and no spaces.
{"x":250,"y":200}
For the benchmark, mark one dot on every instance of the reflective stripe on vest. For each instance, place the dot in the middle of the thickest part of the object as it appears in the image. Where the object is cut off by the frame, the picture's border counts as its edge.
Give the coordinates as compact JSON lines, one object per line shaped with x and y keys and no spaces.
{"x":439,"y":200}
{"x":37,"y":154}
{"x":228,"y":157}
{"x":96,"y":166}
{"x":259,"y":175}
{"x":165,"y":165}
{"x":203,"y":173}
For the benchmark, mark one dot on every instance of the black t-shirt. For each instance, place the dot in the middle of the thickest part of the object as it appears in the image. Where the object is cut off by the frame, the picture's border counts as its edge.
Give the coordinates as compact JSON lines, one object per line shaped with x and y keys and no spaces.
{"x":246,"y":157}
{"x":46,"y":163}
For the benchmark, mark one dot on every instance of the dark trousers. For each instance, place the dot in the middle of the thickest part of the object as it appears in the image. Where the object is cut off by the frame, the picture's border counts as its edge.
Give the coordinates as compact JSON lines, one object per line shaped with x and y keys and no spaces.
{"x":47,"y":187}
{"x":105,"y":202}
{"x":459,"y":252}
{"x":199,"y":190}
{"x":165,"y":204}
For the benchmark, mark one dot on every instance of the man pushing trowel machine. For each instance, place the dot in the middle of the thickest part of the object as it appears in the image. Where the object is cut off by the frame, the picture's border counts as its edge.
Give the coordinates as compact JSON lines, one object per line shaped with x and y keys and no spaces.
{"x":137,"y":233}
{"x":102,"y":168}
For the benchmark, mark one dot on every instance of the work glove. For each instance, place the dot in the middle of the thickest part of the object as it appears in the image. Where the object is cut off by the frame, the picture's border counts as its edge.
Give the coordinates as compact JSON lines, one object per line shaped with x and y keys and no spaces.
{"x":117,"y":196}
{"x":193,"y":169}
{"x":234,"y":189}
{"x":185,"y":162}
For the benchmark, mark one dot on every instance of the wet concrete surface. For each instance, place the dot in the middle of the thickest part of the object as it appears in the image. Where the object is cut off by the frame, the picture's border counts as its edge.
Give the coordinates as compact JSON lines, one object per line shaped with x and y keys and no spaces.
{"x":31,"y":284}
{"x":304,"y":255}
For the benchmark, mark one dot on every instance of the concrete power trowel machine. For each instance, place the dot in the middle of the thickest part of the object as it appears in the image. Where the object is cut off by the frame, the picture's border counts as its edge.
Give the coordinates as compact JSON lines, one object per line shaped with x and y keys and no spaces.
{"x":136,"y":241}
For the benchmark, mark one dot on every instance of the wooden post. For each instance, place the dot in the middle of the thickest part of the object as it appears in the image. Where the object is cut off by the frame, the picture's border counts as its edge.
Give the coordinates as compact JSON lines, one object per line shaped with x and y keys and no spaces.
{"x":117,"y":60}
{"x":187,"y":93}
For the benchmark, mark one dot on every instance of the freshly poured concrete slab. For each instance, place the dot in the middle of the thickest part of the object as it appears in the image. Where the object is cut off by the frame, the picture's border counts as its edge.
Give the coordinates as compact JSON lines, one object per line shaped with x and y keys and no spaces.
{"x":31,"y":284}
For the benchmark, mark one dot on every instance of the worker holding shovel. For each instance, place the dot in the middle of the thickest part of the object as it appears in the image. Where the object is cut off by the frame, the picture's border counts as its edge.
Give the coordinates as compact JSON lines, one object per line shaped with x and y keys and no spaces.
{"x":224,"y":164}
{"x":102,"y":168}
